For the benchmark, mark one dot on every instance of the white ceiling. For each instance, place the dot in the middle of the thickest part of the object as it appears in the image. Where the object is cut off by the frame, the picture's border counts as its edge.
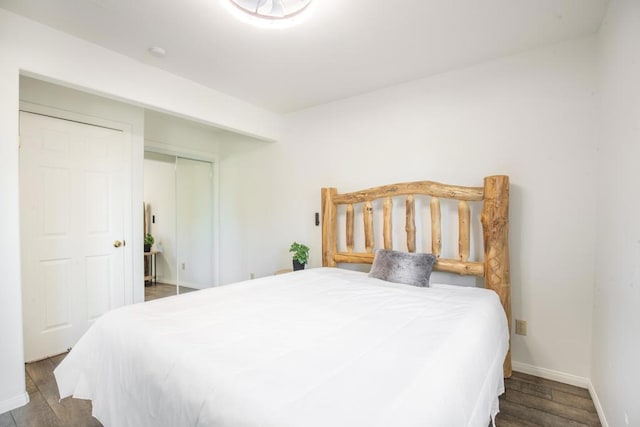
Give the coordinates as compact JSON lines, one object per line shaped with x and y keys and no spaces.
{"x":344,"y":48}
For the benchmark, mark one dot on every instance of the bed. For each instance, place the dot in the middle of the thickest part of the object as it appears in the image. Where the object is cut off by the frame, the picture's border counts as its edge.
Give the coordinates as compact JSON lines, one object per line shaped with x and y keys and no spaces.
{"x":320,"y":347}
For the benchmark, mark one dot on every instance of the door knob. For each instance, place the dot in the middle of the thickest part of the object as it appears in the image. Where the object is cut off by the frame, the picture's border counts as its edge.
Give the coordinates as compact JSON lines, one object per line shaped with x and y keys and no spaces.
{"x":117,"y":244}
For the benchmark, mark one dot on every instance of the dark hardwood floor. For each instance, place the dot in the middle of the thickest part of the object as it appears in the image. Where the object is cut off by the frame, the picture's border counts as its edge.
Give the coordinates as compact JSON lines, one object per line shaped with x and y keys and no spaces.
{"x":45,"y":408}
{"x":532,"y":401}
{"x":529,"y":401}
{"x":161,"y":290}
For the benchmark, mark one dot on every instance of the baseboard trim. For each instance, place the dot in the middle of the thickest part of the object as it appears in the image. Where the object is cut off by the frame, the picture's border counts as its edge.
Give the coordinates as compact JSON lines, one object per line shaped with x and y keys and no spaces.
{"x":598,"y":405}
{"x":550,"y":374}
{"x":185,"y":284}
{"x":14,"y":402}
{"x":193,"y":286}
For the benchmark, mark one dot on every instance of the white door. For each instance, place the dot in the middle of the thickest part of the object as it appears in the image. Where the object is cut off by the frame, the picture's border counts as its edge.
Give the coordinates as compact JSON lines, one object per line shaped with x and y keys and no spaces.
{"x":72,"y":216}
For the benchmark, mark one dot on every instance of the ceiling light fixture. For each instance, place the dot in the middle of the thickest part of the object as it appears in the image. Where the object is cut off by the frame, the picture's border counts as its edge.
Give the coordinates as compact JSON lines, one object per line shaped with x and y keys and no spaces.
{"x":270,"y":13}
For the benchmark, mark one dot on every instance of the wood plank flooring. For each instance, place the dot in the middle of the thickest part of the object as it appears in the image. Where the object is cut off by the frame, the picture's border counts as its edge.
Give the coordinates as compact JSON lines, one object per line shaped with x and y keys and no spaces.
{"x":161,"y":290}
{"x":45,"y":409}
{"x":532,"y":401}
{"x":528,"y":402}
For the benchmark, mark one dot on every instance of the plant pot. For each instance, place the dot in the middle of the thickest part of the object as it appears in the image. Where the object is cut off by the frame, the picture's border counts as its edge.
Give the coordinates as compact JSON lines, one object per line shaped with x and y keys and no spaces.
{"x":147,"y":248}
{"x":297,"y":266}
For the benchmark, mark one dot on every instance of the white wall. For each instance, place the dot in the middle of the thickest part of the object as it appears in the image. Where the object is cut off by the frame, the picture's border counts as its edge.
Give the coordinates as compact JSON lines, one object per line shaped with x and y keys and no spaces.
{"x":12,"y":386}
{"x":615,"y":368}
{"x":531,"y":116}
{"x":39,"y":50}
{"x":186,"y":135}
{"x":236,"y":177}
{"x":33,"y":49}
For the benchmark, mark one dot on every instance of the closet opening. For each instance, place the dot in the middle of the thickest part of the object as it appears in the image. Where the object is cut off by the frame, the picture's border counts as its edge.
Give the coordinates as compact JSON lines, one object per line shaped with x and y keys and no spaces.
{"x":179,"y":216}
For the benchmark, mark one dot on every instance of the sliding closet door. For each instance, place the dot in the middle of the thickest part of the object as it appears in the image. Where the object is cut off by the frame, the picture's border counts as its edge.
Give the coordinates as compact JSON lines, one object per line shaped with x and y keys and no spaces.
{"x":194,"y":224}
{"x":160,"y":222}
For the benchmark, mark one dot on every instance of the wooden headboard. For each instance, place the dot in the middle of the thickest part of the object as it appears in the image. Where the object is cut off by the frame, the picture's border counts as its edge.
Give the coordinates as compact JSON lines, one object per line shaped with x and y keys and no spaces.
{"x":494,"y":195}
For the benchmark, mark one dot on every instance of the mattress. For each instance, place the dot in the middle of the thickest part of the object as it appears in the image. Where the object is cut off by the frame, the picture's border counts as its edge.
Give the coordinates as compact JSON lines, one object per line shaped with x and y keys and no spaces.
{"x":319,"y":347}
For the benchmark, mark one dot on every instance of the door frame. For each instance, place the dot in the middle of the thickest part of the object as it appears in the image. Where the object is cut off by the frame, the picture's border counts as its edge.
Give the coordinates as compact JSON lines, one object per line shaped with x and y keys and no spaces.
{"x":128,"y":202}
{"x":172,"y":150}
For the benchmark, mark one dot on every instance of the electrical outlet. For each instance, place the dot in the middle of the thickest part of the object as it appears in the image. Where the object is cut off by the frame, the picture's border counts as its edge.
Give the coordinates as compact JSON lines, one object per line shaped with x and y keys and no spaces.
{"x":252,"y":276}
{"x":182,"y":266}
{"x":626,"y":418}
{"x":521,"y":327}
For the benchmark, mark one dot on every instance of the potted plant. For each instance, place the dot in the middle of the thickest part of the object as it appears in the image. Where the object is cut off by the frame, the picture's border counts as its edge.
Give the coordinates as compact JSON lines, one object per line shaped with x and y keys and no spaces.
{"x":148,"y":242}
{"x":300,"y":255}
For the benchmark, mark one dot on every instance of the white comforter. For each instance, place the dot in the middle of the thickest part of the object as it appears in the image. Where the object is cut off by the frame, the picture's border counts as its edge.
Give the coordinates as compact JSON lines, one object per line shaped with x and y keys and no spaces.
{"x":322,"y":347}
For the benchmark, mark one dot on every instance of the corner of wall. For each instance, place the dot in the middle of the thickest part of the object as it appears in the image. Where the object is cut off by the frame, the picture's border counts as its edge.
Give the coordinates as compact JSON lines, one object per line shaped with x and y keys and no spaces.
{"x":14,"y":402}
{"x":598,"y":405}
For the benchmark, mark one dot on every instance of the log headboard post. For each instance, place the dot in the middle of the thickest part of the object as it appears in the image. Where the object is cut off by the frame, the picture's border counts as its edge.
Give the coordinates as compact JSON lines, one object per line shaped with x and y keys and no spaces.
{"x":495,"y":226}
{"x":329,"y":232}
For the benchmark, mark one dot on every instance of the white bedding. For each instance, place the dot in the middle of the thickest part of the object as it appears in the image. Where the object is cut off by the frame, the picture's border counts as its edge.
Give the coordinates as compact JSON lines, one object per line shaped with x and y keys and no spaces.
{"x":321,"y":347}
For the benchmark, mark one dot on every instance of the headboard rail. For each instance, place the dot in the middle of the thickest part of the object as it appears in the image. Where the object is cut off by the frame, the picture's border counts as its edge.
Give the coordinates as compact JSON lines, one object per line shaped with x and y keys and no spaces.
{"x":494,"y":268}
{"x":428,"y":188}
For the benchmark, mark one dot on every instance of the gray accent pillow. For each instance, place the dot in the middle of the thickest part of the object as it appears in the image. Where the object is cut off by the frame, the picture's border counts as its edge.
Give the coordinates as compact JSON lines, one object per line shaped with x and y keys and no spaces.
{"x":402,"y":267}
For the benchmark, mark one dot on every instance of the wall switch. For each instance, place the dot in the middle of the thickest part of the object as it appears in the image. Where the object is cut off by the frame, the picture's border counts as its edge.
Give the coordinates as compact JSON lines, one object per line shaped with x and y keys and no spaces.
{"x":182,"y":266}
{"x":626,"y":418}
{"x":521,"y":327}
{"x":252,"y":276}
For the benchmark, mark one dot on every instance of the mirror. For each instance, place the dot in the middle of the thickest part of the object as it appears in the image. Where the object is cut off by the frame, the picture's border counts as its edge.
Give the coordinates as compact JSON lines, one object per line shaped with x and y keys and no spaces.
{"x":178,"y":195}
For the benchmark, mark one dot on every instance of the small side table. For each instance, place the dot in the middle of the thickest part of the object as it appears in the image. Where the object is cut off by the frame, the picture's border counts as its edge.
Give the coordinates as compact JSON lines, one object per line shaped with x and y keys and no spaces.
{"x":150,"y":272}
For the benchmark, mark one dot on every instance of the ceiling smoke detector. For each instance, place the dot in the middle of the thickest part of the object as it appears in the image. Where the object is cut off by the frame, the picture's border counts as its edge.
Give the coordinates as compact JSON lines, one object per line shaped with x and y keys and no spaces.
{"x":270,"y":12}
{"x":157,"y":51}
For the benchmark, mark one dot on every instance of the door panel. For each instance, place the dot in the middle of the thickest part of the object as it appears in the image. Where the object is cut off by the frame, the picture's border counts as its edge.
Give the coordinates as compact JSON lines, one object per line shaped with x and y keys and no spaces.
{"x":98,"y":270}
{"x":56,"y":292}
{"x":98,"y":207}
{"x":72,"y":210}
{"x":56,"y":184}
